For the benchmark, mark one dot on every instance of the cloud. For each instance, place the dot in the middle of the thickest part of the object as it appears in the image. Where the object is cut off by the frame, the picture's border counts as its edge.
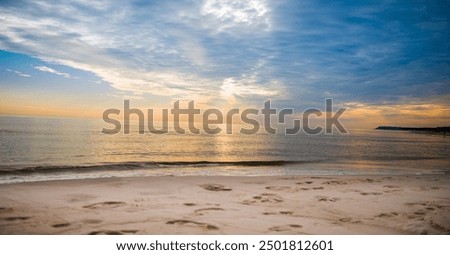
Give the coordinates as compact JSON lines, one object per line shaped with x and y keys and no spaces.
{"x":298,"y":51}
{"x":18,"y":73}
{"x":153,"y":48}
{"x":229,"y":14}
{"x":248,"y":86}
{"x":51,"y":70}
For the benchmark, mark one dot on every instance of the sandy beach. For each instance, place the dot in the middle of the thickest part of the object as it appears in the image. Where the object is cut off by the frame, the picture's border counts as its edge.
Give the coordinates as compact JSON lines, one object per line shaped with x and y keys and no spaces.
{"x":229,"y":205}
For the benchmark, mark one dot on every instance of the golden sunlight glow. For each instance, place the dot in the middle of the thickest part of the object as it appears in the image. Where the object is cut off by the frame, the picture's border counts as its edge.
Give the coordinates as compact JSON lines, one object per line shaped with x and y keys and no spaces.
{"x":412,"y":115}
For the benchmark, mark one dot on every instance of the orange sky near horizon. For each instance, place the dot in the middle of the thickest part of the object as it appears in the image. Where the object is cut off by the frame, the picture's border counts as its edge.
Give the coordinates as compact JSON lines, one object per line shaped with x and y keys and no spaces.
{"x":357,"y":115}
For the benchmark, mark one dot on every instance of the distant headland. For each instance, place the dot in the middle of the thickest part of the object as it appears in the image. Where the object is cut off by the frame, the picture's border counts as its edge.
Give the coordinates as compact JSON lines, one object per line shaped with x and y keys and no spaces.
{"x":433,"y":130}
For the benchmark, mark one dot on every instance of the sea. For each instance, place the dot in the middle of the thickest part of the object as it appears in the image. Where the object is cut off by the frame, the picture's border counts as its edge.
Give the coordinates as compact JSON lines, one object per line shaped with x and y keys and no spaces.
{"x":43,"y":149}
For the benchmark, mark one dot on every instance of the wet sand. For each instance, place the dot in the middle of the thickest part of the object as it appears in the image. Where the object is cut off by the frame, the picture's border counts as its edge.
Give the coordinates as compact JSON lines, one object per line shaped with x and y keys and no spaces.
{"x":229,"y":205}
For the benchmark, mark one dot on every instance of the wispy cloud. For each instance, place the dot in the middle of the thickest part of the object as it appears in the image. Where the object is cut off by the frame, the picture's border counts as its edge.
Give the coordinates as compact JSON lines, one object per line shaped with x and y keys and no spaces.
{"x":18,"y":73}
{"x":51,"y":70}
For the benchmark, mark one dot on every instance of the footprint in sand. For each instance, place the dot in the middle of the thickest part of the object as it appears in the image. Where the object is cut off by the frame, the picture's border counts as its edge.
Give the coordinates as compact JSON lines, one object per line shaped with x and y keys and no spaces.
{"x":335,"y":182}
{"x":286,"y":228}
{"x":189,"y":204}
{"x":279,"y":213}
{"x":327,"y":199}
{"x":129,"y":231}
{"x":420,"y":204}
{"x":371,"y":180}
{"x":392,"y":191}
{"x":105,"y":205}
{"x":349,"y":220}
{"x":264,"y":198}
{"x":17,"y":218}
{"x":390,"y":186}
{"x":301,"y":183}
{"x":201,"y":211}
{"x":112,"y":232}
{"x":371,"y":193}
{"x":278,"y":188}
{"x":313,"y":188}
{"x":193,"y":224}
{"x":5,"y":209}
{"x":215,"y":187}
{"x":61,"y":225}
{"x":387,"y":215}
{"x":420,"y":212}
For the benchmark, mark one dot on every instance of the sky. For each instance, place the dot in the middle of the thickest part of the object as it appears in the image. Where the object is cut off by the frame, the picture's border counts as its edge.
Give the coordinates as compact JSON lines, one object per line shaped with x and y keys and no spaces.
{"x":387,"y":62}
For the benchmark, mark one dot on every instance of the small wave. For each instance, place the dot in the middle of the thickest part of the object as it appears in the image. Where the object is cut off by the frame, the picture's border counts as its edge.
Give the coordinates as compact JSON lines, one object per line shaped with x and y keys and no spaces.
{"x":144,"y":165}
{"x":10,"y":131}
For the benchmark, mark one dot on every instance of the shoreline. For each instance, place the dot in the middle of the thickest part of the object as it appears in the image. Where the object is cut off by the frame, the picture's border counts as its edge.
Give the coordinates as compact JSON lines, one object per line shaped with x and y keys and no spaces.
{"x":226,"y":169}
{"x":412,"y":204}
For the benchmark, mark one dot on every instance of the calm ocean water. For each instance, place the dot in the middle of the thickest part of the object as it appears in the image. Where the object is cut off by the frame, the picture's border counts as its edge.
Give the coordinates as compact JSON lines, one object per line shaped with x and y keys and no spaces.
{"x":35,"y":149}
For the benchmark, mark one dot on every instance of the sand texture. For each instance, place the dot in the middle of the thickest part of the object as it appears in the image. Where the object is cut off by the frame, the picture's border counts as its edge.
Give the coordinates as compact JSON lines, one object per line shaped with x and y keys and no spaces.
{"x":229,"y":205}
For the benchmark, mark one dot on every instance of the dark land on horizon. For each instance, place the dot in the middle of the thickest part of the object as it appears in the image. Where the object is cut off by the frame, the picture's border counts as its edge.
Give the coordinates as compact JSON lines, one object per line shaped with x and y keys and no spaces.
{"x":433,"y":130}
